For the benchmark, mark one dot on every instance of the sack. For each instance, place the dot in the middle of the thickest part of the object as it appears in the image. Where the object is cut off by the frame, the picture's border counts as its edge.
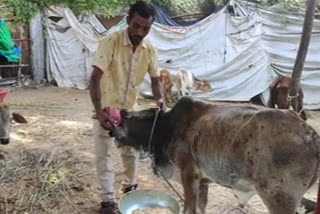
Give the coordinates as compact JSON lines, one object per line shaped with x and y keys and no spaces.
{"x":113,"y":114}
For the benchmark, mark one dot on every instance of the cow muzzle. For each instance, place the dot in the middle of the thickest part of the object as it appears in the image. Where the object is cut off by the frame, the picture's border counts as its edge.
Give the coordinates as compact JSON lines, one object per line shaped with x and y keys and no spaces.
{"x":111,"y":133}
{"x":117,"y":133}
{"x":5,"y":141}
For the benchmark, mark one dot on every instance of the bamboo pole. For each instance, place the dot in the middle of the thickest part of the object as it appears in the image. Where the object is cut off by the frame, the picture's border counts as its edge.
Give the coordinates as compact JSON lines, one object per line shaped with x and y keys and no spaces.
{"x":302,"y":52}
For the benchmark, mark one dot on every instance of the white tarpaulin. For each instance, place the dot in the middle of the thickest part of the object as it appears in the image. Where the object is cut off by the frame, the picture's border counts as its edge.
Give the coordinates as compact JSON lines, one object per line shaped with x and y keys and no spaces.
{"x":70,"y":47}
{"x":238,"y":55}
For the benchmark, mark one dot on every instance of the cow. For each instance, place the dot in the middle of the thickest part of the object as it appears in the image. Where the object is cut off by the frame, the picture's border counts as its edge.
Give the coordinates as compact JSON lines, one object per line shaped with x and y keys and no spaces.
{"x":167,"y":83}
{"x":6,"y":117}
{"x":186,"y":82}
{"x":250,"y":149}
{"x":279,"y":94}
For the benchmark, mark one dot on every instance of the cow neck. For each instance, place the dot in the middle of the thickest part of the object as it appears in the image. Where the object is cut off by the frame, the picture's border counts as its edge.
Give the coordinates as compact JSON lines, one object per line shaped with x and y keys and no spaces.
{"x":163,"y":124}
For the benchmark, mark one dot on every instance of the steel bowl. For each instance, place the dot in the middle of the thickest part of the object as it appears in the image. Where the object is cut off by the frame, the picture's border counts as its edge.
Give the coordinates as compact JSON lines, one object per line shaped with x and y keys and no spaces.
{"x":148,"y":198}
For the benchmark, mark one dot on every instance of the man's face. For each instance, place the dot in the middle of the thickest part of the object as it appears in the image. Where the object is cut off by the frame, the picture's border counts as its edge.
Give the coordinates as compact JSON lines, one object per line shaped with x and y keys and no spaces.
{"x":138,"y":28}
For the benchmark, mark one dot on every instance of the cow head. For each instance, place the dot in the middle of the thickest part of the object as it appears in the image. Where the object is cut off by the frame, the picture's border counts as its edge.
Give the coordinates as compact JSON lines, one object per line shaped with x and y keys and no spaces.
{"x":135,"y":128}
{"x":6,"y":117}
{"x":203,"y":85}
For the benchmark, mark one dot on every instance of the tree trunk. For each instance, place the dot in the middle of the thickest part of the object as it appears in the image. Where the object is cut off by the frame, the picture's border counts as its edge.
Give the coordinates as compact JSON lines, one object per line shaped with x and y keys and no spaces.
{"x":302,"y":52}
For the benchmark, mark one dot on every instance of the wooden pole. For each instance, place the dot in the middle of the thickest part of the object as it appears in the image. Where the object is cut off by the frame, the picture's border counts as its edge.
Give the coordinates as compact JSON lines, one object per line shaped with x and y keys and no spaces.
{"x":301,"y":56}
{"x":318,"y":201}
{"x":302,"y":52}
{"x":38,"y":54}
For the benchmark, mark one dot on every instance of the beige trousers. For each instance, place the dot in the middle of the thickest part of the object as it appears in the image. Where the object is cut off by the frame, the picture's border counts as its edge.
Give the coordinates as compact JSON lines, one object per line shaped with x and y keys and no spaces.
{"x":104,"y":162}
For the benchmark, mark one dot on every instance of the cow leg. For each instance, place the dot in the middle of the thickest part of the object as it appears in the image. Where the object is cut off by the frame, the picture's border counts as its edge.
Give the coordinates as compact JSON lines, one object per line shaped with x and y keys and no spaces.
{"x":203,"y":197}
{"x":279,"y":201}
{"x":170,"y":94}
{"x":180,"y":93}
{"x":243,"y":197}
{"x":191,"y":184}
{"x":183,"y":92}
{"x":167,"y":97}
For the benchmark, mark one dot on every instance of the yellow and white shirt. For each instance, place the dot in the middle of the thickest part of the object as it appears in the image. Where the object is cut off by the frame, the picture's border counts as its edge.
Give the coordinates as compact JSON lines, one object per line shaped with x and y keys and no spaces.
{"x":116,"y":59}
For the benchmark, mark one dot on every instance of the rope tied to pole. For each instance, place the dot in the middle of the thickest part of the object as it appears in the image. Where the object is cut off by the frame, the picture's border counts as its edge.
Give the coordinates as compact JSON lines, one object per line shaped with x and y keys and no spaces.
{"x":290,"y":98}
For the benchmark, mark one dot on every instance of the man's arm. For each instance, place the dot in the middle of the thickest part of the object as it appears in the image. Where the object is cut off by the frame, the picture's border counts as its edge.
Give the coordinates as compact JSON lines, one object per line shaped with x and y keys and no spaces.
{"x":95,"y":94}
{"x":94,"y":88}
{"x":157,"y":91}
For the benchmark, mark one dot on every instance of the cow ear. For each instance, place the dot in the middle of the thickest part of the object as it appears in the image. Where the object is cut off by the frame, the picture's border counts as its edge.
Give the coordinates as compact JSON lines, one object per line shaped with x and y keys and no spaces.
{"x":18,"y":118}
{"x":124,"y":113}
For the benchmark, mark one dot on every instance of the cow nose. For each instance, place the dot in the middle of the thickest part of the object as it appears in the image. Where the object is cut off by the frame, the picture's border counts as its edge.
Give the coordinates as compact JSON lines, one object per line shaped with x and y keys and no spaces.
{"x":111,"y":133}
{"x":5,"y":141}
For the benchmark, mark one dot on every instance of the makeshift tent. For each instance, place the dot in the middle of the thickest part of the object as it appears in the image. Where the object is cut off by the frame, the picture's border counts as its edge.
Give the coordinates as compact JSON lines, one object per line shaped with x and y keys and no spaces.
{"x":8,"y":49}
{"x":239,"y":52}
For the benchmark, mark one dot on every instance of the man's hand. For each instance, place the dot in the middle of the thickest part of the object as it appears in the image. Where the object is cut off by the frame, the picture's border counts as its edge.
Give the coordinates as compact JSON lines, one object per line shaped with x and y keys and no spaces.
{"x":104,"y":120}
{"x":157,"y":91}
{"x":160,"y":104}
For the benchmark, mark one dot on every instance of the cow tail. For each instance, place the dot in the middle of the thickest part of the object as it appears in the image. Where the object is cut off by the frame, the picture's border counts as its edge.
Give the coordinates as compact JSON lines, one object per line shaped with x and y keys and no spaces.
{"x":315,"y":141}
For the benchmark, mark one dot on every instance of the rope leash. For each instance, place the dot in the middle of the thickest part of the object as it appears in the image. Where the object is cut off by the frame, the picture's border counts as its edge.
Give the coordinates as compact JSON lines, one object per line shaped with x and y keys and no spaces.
{"x":290,"y":98}
{"x":170,"y":185}
{"x":151,"y":133}
{"x":149,"y":152}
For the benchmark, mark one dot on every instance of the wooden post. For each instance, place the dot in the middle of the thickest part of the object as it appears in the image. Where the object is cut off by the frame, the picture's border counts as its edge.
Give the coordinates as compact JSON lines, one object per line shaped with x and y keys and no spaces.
{"x":318,"y":201}
{"x":37,"y":48}
{"x":302,"y":52}
{"x":19,"y":82}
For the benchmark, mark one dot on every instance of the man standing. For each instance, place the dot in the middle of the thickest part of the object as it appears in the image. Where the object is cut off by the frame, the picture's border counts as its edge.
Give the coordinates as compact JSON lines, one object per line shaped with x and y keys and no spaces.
{"x":119,"y":66}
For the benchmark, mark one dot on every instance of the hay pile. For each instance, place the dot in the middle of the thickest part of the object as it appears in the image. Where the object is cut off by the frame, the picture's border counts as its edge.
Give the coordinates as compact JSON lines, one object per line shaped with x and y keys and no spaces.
{"x":44,"y":181}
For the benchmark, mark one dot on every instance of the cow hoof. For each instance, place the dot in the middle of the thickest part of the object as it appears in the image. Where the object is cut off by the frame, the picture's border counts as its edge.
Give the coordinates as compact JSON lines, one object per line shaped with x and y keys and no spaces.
{"x":129,"y":188}
{"x":3,"y":155}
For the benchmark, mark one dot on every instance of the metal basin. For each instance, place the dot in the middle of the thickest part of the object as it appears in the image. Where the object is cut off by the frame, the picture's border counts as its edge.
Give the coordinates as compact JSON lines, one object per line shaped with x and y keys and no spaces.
{"x":147,"y":198}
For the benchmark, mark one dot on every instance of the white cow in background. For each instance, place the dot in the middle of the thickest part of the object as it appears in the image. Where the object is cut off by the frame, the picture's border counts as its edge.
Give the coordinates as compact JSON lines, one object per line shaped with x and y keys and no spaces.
{"x":186,"y":82}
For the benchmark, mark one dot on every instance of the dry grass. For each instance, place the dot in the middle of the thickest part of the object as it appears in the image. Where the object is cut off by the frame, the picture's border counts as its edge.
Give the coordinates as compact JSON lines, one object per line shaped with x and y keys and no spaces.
{"x":40,"y":180}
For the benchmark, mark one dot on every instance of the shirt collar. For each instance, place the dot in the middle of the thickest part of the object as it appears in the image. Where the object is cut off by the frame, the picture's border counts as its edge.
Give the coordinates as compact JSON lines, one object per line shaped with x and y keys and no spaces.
{"x":127,"y":42}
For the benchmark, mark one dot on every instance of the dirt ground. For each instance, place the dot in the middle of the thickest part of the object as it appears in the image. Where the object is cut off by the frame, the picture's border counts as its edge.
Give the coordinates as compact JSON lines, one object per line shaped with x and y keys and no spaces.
{"x":49,"y":165}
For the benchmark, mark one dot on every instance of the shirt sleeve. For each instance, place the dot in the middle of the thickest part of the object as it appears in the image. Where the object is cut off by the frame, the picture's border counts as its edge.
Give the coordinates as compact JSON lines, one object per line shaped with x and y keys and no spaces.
{"x":153,"y":66}
{"x":103,"y":56}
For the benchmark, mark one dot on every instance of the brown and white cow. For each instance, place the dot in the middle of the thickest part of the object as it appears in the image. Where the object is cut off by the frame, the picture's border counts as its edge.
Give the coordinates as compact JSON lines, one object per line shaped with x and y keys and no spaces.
{"x":6,"y":117}
{"x":279,"y":93}
{"x":248,"y":148}
{"x":167,"y":83}
{"x":186,"y":82}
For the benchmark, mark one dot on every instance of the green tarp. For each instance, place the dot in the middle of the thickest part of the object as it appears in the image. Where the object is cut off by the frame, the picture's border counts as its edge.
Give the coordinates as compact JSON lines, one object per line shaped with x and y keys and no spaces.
{"x":7,"y":47}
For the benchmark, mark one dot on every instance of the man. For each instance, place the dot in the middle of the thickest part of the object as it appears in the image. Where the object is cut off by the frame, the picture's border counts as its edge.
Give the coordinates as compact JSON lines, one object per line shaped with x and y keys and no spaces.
{"x":119,"y":66}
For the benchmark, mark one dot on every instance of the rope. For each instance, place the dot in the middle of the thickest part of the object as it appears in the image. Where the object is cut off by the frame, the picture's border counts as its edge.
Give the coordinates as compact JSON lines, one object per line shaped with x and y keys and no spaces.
{"x":152,"y":129}
{"x":151,"y":133}
{"x":290,"y":98}
{"x":170,"y":185}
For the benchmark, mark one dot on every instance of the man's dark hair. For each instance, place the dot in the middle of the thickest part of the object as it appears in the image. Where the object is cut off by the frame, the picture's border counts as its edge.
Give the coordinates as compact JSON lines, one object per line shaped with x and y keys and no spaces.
{"x":144,"y":9}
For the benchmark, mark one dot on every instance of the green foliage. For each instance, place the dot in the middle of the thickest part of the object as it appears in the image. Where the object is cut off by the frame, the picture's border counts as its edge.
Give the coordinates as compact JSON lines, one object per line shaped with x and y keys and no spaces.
{"x":23,"y":10}
{"x":283,"y":2}
{"x":180,"y":7}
